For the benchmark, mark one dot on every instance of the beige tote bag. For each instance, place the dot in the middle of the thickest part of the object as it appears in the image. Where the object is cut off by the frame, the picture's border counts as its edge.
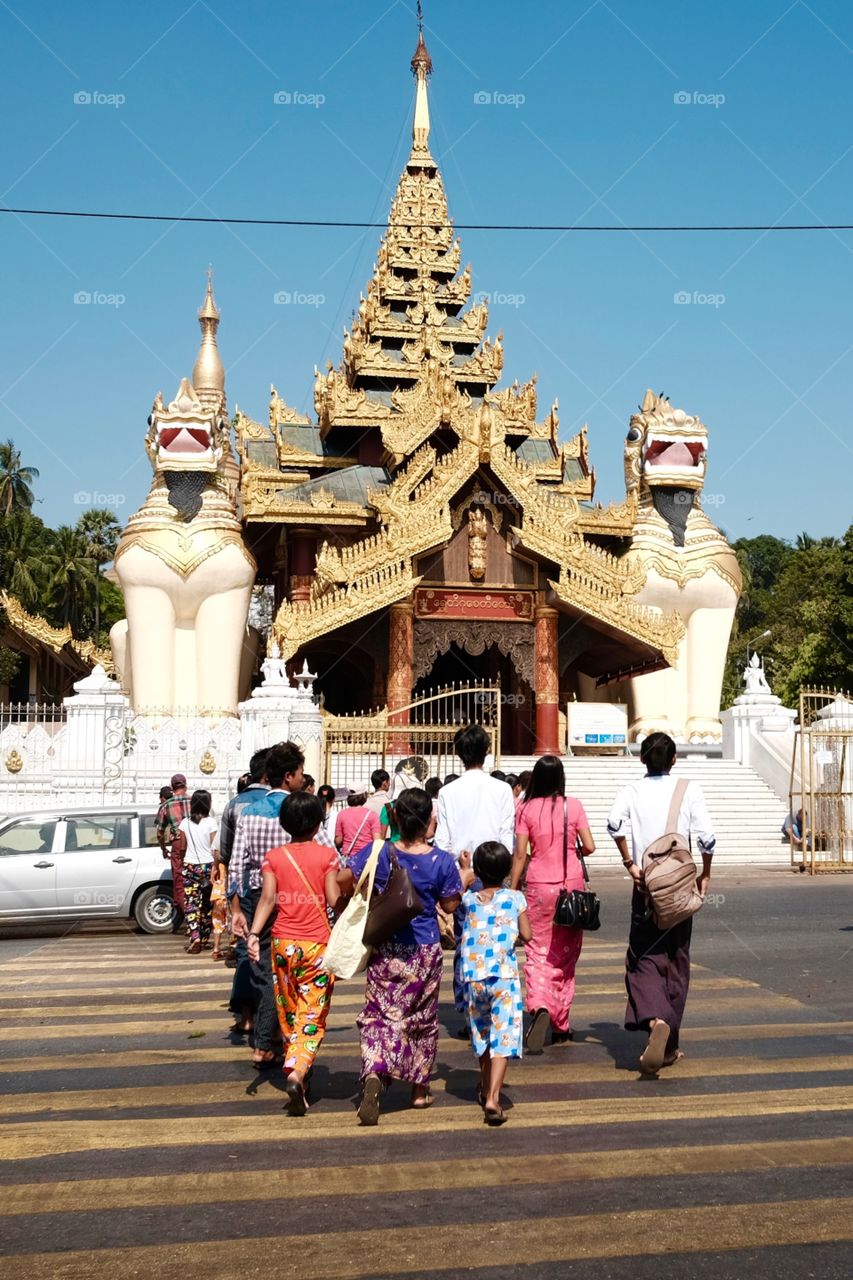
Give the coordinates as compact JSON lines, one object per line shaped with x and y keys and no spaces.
{"x":346,"y":955}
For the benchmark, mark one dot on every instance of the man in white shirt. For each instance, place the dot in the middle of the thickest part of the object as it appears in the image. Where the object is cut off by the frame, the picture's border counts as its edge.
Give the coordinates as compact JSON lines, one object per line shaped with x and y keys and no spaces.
{"x":658,"y":961}
{"x":471,"y":810}
{"x":476,"y":807}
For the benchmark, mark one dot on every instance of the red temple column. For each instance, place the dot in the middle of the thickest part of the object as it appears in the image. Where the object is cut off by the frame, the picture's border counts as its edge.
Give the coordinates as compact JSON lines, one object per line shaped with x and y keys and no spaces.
{"x":303,"y":556}
{"x":547,"y":682}
{"x":400,"y":674}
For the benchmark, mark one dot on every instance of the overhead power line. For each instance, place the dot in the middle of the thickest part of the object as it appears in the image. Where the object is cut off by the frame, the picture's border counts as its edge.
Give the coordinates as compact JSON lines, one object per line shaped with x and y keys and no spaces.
{"x":458,"y":226}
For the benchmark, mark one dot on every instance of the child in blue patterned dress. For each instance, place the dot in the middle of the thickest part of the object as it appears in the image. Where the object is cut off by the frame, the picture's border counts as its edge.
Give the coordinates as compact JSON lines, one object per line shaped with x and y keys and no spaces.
{"x":494,"y":917}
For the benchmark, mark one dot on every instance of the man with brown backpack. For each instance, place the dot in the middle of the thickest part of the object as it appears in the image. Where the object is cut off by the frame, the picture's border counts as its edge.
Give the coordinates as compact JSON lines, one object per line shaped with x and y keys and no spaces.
{"x":663,"y":817}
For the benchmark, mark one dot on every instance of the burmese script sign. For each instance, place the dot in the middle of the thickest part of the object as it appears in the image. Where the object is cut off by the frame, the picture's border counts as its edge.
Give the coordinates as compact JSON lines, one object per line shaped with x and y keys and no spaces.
{"x":477,"y":606}
{"x":597,"y":725}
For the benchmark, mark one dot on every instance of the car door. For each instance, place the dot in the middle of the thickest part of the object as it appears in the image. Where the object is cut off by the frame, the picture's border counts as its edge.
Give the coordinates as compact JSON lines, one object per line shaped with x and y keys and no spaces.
{"x":28,"y":867}
{"x":152,"y":866}
{"x":96,"y":870}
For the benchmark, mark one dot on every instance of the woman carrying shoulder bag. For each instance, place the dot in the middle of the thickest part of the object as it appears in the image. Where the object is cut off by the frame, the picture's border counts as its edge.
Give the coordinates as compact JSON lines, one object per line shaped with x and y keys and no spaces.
{"x":548,"y":826}
{"x":399,"y":1022}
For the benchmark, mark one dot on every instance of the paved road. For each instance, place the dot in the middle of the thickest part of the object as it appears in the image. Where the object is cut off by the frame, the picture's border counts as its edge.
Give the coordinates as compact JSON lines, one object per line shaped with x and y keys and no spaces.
{"x":136,"y":1140}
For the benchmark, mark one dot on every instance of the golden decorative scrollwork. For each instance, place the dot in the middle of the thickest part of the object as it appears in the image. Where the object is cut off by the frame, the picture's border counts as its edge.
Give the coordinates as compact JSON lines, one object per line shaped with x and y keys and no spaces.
{"x":34,"y":625}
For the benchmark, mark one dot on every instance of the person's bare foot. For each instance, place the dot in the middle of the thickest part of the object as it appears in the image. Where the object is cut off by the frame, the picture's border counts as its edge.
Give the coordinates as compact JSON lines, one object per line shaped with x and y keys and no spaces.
{"x":671,"y":1058}
{"x":263,"y":1058}
{"x":652,"y":1058}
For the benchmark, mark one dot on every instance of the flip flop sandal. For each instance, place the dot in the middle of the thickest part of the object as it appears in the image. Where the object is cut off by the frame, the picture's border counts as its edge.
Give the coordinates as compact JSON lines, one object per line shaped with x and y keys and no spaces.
{"x":534,"y":1044}
{"x":237,"y":1030}
{"x":421,"y":1104}
{"x":298,"y":1104}
{"x":193,"y":949}
{"x":368,"y":1111}
{"x":655,"y":1051}
{"x":494,"y":1118}
{"x":671,"y":1059}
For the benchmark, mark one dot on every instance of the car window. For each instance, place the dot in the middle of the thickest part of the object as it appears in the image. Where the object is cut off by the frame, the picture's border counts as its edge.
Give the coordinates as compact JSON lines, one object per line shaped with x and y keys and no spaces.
{"x":29,"y":836}
{"x":149,"y":831}
{"x":91,"y":832}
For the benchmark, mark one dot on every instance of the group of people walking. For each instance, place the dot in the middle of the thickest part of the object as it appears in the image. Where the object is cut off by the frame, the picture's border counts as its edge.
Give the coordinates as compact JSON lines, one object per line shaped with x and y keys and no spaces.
{"x":493,"y":861}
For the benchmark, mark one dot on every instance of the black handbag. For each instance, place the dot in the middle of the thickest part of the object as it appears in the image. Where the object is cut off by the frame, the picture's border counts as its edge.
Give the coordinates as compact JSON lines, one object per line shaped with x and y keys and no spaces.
{"x":393,"y":908}
{"x":576,"y":908}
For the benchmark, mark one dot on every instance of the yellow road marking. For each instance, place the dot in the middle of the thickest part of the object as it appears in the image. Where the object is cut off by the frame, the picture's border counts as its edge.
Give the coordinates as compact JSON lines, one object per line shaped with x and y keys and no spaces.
{"x":138,"y":1004}
{"x":51,"y":1137}
{"x":211,"y":1018}
{"x":350,"y":1255}
{"x":121,"y":1097}
{"x":419,"y":1175}
{"x":569,"y":1058}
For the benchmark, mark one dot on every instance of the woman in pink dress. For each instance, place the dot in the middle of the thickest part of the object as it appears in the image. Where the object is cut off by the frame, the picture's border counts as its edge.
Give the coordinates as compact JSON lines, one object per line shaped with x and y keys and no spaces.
{"x":548,"y":825}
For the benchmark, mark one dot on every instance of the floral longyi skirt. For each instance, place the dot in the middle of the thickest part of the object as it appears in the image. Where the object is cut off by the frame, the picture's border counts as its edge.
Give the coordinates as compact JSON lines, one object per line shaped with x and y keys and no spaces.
{"x":399,"y":1022}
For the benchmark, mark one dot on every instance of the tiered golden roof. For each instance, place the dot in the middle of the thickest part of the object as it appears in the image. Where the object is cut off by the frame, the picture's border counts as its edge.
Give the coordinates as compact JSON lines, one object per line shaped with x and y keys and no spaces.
{"x":407,"y":419}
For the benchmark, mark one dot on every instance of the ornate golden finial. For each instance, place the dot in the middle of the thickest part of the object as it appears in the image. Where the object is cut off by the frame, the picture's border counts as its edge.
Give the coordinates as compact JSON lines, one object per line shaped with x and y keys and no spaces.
{"x":208,"y":371}
{"x":421,"y":68}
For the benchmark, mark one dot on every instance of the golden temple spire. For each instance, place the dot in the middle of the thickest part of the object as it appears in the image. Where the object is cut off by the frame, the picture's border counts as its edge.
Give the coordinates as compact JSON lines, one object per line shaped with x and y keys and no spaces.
{"x":421,"y":69}
{"x":208,"y":371}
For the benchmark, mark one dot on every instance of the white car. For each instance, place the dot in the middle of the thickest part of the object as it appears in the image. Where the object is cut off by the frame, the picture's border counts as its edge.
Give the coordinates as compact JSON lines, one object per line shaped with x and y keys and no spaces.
{"x":75,"y":864}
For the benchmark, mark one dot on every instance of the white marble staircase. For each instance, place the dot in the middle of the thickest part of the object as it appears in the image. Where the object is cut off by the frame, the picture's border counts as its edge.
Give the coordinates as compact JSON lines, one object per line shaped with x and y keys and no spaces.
{"x":747,"y":815}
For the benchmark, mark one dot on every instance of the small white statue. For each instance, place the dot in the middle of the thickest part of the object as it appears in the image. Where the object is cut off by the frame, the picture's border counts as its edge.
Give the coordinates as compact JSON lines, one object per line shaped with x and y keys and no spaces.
{"x":754,"y":678}
{"x":273,"y":666}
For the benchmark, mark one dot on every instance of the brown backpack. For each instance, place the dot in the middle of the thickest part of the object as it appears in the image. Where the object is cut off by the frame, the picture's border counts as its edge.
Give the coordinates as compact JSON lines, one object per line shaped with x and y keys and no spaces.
{"x":670,"y":872}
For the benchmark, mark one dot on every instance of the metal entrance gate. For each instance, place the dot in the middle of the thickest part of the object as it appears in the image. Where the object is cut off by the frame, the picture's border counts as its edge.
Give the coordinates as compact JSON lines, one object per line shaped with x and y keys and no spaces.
{"x":822,"y":782}
{"x":425,"y":729}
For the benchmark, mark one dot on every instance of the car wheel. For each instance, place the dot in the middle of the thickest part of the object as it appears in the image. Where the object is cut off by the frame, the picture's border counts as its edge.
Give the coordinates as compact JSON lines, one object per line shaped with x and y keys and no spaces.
{"x":154,"y":910}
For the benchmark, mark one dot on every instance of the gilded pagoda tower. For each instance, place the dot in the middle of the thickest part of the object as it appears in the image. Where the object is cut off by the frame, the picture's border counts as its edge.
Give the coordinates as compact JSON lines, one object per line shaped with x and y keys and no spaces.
{"x":427,"y":526}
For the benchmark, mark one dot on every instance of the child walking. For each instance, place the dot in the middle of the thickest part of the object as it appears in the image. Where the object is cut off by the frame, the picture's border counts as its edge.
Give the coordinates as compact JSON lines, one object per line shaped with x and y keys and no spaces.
{"x":494,"y":918}
{"x":299,"y":879}
{"x":219,"y":912}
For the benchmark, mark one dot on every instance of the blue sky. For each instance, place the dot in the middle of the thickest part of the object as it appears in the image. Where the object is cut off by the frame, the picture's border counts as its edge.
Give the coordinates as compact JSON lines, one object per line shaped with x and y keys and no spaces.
{"x":600,"y":113}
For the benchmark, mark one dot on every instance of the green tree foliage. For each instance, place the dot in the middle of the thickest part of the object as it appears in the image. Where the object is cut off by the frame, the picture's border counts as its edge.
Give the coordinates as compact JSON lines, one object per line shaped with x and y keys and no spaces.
{"x":15,"y":480}
{"x":24,"y":542}
{"x":71,"y":579}
{"x":100,"y":531}
{"x":802,"y":594}
{"x":56,"y":572}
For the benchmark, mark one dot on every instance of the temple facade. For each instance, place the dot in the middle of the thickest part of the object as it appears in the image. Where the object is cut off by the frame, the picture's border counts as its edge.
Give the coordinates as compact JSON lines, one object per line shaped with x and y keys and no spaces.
{"x":427,"y":526}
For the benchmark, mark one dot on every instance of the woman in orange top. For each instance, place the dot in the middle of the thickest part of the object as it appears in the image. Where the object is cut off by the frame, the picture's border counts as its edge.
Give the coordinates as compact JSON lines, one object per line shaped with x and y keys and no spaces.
{"x":299,"y":879}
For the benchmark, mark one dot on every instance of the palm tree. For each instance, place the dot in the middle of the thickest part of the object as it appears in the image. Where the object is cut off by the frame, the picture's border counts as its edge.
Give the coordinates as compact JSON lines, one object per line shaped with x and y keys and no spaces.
{"x":101,"y":530}
{"x":15,"y":480}
{"x":71,"y":575}
{"x":22,"y":544}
